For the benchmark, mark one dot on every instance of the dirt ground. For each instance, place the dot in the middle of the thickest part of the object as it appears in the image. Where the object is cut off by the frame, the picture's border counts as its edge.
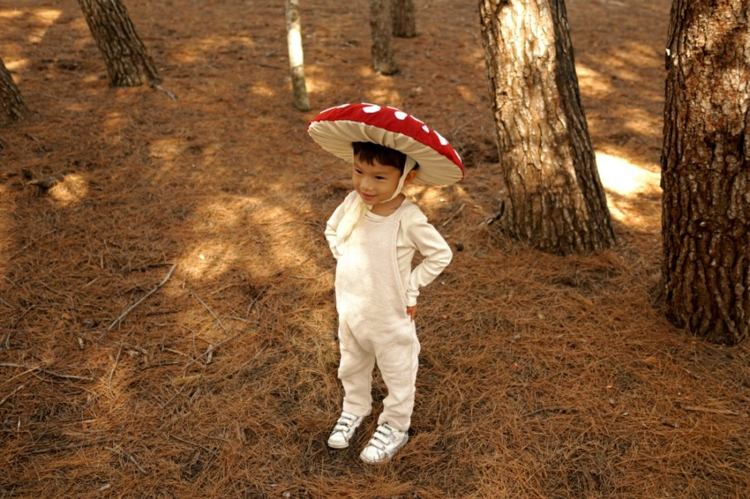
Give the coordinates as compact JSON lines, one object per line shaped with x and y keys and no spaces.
{"x":540,"y":376}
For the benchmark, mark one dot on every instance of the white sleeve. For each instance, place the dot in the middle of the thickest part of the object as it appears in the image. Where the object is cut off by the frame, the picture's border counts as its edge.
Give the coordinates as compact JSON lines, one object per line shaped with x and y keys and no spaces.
{"x":433,"y":248}
{"x":333,"y":223}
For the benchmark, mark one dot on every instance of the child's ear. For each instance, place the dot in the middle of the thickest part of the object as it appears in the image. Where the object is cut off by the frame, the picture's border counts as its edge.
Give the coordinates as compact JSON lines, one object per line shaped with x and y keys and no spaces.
{"x":410,"y":176}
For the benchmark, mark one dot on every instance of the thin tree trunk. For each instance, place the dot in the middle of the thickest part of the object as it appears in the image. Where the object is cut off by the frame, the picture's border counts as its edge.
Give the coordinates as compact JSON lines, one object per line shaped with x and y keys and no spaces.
{"x":556,"y":200}
{"x":404,"y":18}
{"x":128,"y":63}
{"x":296,"y":58}
{"x":12,"y":107}
{"x":706,"y":170}
{"x":380,"y":25}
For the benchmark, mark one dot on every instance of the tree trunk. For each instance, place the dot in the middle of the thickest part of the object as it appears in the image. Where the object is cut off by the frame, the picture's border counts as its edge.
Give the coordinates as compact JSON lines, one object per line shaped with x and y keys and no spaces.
{"x":380,"y":25}
{"x":706,"y":170}
{"x":12,"y":107}
{"x":128,"y":63}
{"x":296,"y":58}
{"x":556,"y":200}
{"x":404,"y":19}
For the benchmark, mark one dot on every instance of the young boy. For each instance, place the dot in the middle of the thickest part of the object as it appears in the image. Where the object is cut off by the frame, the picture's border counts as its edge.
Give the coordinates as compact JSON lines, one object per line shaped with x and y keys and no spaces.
{"x":373,"y":235}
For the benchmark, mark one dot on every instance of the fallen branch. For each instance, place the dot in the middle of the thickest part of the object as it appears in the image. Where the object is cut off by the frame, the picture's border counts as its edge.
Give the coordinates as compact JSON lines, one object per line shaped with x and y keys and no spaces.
{"x":6,"y":303}
{"x":561,"y":410}
{"x":45,"y":184}
{"x":453,"y":215}
{"x":20,"y":318}
{"x":210,"y":311}
{"x":210,"y":350}
{"x":131,"y":307}
{"x":118,"y":450}
{"x":725,"y":412}
{"x":193,"y":444}
{"x":11,"y":394}
{"x":45,"y":371}
{"x":257,"y":297}
{"x":112,"y":372}
{"x":62,"y":448}
{"x":496,"y":216}
{"x":169,"y":93}
{"x":209,"y":353}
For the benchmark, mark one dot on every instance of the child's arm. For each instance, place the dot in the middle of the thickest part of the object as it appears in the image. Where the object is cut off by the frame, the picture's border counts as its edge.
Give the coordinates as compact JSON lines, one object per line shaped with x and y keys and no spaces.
{"x":333,"y":223}
{"x":435,"y":251}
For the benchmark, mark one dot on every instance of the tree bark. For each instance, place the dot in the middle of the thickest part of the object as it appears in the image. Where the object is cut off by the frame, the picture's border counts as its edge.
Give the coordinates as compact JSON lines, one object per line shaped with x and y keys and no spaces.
{"x":403,"y":18}
{"x":128,"y":63}
{"x":12,"y":107}
{"x":380,"y":26}
{"x":296,"y":56}
{"x":556,"y":201}
{"x":706,"y":170}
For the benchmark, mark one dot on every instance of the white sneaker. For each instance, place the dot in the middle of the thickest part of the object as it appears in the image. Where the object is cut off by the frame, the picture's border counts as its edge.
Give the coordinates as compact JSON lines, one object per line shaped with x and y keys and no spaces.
{"x":385,"y":442}
{"x":344,"y":430}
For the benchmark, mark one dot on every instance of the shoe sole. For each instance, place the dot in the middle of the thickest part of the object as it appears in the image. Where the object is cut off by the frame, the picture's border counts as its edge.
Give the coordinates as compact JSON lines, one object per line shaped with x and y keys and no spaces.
{"x":337,"y":446}
{"x":388,"y":458}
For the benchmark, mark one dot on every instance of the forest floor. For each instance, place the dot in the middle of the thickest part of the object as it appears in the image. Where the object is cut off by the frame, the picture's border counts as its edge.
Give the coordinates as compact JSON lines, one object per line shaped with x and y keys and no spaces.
{"x":540,"y":376}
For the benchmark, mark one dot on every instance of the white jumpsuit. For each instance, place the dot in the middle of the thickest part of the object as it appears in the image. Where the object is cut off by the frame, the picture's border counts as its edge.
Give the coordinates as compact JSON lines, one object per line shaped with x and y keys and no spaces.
{"x":371,"y":300}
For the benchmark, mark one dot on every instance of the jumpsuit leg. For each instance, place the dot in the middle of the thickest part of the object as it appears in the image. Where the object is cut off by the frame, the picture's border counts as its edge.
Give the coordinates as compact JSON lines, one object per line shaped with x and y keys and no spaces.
{"x":355,"y":372}
{"x":398,"y":363}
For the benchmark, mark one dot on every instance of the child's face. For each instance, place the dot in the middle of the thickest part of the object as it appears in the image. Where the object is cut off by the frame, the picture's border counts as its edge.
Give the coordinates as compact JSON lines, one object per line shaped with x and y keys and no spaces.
{"x":375,"y":183}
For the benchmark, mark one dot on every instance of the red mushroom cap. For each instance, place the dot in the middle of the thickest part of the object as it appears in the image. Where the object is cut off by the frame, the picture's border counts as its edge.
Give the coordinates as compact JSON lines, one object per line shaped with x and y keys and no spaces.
{"x":336,"y":128}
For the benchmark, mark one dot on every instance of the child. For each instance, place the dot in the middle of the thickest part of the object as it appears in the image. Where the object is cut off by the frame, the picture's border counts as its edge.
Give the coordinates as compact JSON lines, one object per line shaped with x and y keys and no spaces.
{"x":373,"y":235}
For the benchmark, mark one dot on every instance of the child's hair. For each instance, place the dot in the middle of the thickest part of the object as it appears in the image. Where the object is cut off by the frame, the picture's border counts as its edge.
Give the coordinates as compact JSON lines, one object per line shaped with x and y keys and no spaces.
{"x":369,"y":152}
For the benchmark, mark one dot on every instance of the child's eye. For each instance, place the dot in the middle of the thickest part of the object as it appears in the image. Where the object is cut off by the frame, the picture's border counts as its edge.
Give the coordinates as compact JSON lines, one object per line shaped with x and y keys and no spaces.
{"x":380,"y":177}
{"x":358,"y":171}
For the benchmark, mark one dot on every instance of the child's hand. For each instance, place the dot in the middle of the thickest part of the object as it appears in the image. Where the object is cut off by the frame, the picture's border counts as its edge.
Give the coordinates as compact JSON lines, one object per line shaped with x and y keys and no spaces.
{"x":412,"y":312}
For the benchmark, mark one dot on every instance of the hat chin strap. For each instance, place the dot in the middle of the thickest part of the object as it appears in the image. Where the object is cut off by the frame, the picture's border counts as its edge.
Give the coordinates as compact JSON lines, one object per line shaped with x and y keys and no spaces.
{"x":408,"y":166}
{"x":357,"y":210}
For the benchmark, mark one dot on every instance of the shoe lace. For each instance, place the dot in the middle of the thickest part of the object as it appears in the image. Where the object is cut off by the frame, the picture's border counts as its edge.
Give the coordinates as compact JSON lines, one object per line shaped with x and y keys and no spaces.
{"x":344,"y":422}
{"x":382,"y":436}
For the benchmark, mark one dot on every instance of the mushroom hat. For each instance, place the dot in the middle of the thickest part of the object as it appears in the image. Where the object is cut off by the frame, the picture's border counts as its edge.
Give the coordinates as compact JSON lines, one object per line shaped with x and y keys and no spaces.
{"x":336,"y":128}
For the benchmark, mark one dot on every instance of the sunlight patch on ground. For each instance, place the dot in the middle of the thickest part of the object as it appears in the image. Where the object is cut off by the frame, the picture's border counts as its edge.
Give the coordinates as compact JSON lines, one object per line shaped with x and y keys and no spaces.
{"x":365,"y":71}
{"x":476,"y":56}
{"x":71,"y":190}
{"x":467,"y":94}
{"x":632,"y":191}
{"x":167,"y":149}
{"x":113,"y":124}
{"x":47,"y":17}
{"x":317,"y":81}
{"x":214,"y":255}
{"x":593,"y":81}
{"x":15,"y":65}
{"x":625,"y":178}
{"x":77,"y":107}
{"x":626,"y":214}
{"x":186,"y":57}
{"x":10,"y":14}
{"x":429,"y":197}
{"x":262,"y":89}
{"x":383,"y":92}
{"x":280,"y":226}
{"x":211,"y":259}
{"x":630,"y":57}
{"x":642,"y":122}
{"x":205,"y":49}
{"x":384,"y":95}
{"x":224,"y":214}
